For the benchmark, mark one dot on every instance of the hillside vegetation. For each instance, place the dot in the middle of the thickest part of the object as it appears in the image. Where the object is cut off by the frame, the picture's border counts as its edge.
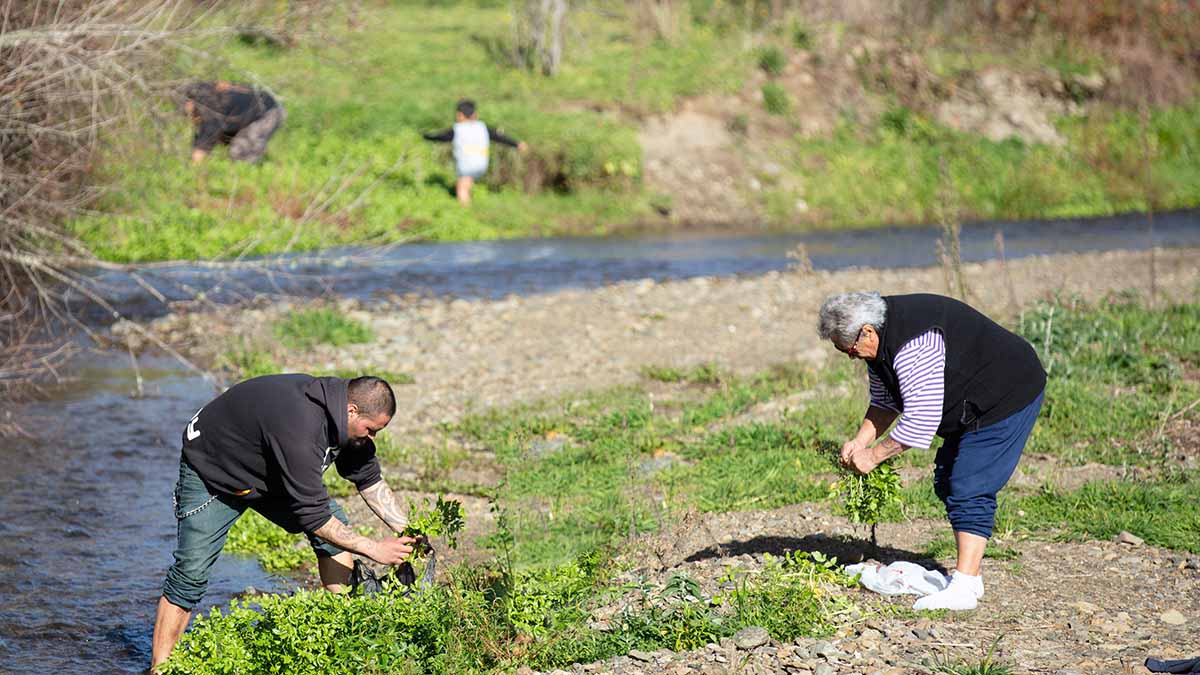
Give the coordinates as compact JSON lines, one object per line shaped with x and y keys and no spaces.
{"x":708,"y":114}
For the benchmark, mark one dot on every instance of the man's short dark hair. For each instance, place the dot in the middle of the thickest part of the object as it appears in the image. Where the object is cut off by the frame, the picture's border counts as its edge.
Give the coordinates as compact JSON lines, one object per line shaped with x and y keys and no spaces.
{"x":466,"y":107}
{"x":372,"y":395}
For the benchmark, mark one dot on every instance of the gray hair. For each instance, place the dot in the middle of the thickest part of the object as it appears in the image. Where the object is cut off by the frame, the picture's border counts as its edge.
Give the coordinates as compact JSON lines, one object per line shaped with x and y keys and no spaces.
{"x":843,"y":316}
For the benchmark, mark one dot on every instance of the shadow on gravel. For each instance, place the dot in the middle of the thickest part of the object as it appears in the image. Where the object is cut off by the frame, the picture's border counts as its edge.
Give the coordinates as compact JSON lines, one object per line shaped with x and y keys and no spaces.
{"x":846,"y":550}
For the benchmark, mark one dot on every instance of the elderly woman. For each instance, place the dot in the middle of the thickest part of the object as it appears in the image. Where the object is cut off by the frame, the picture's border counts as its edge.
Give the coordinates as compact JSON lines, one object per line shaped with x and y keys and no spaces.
{"x":941,"y":367}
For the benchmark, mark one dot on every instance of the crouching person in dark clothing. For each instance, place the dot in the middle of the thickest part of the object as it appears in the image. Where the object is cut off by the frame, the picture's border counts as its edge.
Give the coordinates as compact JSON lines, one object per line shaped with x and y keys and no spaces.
{"x":263,"y":445}
{"x":240,"y":116}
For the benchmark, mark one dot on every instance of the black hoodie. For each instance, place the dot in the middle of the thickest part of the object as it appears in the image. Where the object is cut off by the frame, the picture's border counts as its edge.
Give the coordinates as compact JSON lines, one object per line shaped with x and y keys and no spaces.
{"x":271,"y":438}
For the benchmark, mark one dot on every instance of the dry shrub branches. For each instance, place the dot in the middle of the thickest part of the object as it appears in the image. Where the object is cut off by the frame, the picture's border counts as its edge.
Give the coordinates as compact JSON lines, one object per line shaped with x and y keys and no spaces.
{"x":69,"y":70}
{"x":74,"y":73}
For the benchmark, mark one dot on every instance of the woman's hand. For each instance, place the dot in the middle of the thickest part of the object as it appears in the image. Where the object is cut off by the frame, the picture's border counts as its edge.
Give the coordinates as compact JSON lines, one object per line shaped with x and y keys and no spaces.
{"x":849,"y":448}
{"x":863,"y":459}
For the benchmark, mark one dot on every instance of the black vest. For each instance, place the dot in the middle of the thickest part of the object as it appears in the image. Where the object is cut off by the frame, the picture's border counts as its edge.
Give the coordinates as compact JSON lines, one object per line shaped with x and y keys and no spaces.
{"x":991,"y":373}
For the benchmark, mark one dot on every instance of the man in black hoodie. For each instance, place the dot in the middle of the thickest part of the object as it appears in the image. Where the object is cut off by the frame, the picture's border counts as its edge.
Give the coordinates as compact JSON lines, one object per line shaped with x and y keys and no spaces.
{"x":263,"y":445}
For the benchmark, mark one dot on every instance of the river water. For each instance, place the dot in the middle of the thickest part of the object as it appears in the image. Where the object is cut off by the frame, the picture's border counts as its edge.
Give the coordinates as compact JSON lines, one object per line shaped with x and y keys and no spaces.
{"x":85,"y":514}
{"x":85,"y":505}
{"x":493,"y":269}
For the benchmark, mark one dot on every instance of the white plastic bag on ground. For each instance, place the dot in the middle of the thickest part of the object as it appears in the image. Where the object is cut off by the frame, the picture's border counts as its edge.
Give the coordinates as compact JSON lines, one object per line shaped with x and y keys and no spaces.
{"x":899,"y":578}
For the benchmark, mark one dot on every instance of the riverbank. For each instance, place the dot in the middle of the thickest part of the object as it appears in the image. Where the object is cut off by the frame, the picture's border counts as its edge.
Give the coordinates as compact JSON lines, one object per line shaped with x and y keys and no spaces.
{"x":630,"y":426}
{"x":477,"y":354}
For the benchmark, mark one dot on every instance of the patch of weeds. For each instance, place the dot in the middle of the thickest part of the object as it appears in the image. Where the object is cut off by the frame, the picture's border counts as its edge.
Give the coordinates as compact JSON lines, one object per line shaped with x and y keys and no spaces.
{"x":802,"y":36}
{"x":247,"y":361}
{"x":663,"y":374}
{"x":493,"y":619}
{"x":775,"y":99}
{"x":790,"y":596}
{"x":772,"y":60}
{"x":277,"y":550}
{"x":705,"y":373}
{"x":307,"y":328}
{"x":988,"y":665}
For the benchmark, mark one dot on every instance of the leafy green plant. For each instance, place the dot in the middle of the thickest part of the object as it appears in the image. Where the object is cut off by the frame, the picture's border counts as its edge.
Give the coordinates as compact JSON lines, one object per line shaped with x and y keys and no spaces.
{"x":775,"y":99}
{"x":276,"y":549}
{"x":864,"y":497}
{"x":438,"y":518}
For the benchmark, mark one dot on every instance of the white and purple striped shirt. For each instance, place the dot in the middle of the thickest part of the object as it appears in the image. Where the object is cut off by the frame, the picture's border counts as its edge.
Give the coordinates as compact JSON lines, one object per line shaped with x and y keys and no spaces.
{"x":921,"y":371}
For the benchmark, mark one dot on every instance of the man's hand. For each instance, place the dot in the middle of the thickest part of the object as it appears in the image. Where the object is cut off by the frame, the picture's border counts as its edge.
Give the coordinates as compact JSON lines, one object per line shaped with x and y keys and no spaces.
{"x":392,"y":551}
{"x":522,"y":146}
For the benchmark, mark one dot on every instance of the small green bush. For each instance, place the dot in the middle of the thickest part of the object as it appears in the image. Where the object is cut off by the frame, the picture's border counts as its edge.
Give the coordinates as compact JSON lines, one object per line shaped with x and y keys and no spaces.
{"x":772,"y":60}
{"x":802,"y":36}
{"x":307,"y":328}
{"x":775,"y":99}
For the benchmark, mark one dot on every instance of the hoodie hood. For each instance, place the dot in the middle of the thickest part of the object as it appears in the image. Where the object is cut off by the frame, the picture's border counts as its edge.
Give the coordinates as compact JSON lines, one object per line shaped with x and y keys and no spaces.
{"x":331,"y":394}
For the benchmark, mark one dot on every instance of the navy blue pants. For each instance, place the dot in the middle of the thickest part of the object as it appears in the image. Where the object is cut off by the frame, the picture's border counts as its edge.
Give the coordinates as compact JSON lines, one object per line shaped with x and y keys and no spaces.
{"x":970,"y":469}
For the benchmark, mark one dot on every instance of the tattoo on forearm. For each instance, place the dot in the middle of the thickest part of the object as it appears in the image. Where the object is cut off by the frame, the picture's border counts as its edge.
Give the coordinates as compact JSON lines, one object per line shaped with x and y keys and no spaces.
{"x":380,"y":498}
{"x":336,"y":532}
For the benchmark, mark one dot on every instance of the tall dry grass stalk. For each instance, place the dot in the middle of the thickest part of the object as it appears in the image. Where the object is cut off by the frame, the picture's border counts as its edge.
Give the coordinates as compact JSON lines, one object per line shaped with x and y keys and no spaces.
{"x":1008,"y":280}
{"x":949,"y":246}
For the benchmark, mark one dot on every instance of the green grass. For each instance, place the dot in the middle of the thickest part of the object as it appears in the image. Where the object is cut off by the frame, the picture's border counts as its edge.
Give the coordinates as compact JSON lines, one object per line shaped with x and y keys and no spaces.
{"x":890,"y":173}
{"x":942,"y":547}
{"x":1116,"y":371}
{"x":1162,"y":511}
{"x":706,"y":373}
{"x":307,"y":328}
{"x":772,"y":60}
